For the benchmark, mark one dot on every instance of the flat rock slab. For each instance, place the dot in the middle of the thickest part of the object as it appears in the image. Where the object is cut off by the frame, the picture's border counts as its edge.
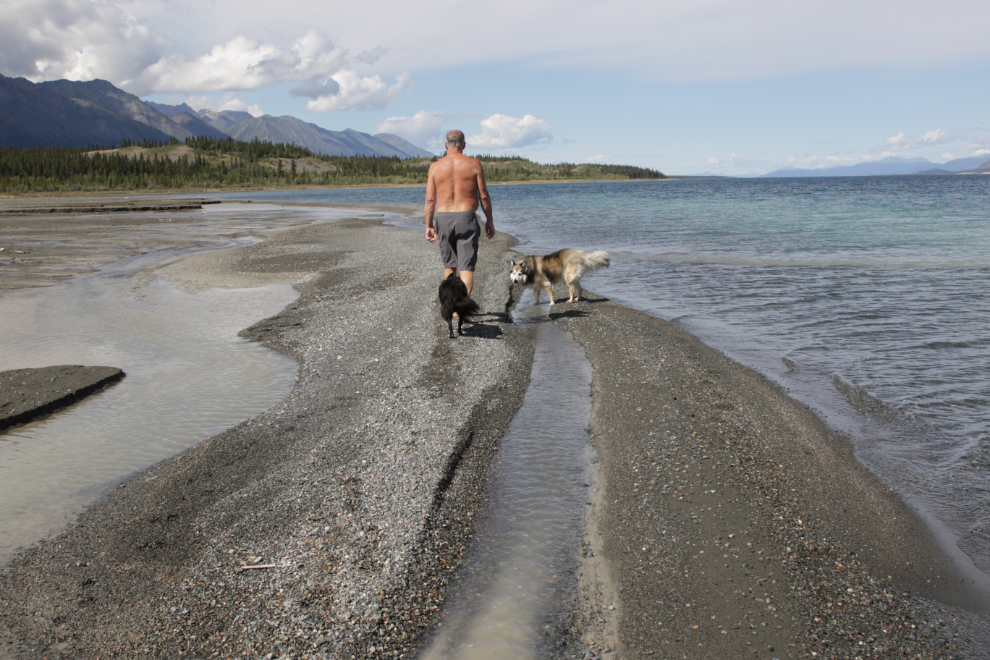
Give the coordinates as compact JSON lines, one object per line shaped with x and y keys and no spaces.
{"x":71,"y":205}
{"x":29,"y":394}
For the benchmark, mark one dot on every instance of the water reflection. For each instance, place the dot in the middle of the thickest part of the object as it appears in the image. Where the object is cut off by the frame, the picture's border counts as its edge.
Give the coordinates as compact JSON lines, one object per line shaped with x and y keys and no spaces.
{"x":189,"y":376}
{"x":525,"y":552}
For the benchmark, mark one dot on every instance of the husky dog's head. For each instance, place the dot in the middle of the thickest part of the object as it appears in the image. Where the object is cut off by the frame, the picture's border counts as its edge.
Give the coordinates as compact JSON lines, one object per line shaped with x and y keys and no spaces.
{"x":520,"y":272}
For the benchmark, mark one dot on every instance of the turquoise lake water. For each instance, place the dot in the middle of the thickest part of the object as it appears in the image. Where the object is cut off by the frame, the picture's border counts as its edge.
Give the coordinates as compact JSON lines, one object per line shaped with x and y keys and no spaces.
{"x":868,"y":298}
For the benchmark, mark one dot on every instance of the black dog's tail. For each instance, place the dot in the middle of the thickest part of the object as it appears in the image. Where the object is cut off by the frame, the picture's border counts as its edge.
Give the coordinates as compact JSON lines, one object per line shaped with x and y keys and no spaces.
{"x":465,"y":307}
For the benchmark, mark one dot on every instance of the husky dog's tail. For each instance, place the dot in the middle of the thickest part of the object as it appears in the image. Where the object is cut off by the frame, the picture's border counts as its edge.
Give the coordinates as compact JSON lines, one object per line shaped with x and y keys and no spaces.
{"x":595,"y":260}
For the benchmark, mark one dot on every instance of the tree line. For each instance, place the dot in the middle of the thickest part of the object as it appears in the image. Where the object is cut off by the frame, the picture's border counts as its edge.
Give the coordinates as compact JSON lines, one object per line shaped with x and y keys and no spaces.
{"x":227,"y":163}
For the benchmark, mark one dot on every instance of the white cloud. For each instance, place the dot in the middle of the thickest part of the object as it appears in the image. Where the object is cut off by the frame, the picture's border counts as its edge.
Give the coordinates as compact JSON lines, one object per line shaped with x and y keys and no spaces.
{"x":221,"y":103}
{"x":73,"y":39}
{"x":934,"y":137}
{"x":902,"y":142}
{"x":702,"y":40}
{"x":424,"y":129}
{"x":86,"y":39}
{"x":244,"y":64}
{"x":737,"y":164}
{"x":592,"y":159}
{"x":355,"y":92}
{"x":371,"y":56}
{"x":896,"y":143}
{"x":504,"y":132}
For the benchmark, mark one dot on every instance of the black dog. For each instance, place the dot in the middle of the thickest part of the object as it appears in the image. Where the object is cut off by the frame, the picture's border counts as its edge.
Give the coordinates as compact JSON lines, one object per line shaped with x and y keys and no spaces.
{"x":454,"y":298}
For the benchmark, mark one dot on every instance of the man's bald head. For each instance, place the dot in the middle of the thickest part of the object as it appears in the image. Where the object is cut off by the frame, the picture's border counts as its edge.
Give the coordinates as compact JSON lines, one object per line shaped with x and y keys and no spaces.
{"x":455,"y":138}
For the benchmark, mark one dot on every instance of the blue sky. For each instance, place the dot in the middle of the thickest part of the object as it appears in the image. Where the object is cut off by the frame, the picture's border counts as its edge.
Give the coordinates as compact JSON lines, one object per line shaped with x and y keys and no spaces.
{"x":709,"y":86}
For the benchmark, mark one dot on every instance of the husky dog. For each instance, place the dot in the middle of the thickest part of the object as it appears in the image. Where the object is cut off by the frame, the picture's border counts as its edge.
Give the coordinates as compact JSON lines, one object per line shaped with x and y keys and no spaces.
{"x":454,"y":300}
{"x":568,"y":265}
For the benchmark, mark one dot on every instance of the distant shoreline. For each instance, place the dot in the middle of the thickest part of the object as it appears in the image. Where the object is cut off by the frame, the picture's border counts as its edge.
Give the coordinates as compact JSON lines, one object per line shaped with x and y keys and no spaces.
{"x":203,"y":191}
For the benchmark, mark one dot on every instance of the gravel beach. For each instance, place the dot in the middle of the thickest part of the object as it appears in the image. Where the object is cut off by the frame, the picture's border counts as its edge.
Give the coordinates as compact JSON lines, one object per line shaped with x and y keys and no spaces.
{"x":728,"y":521}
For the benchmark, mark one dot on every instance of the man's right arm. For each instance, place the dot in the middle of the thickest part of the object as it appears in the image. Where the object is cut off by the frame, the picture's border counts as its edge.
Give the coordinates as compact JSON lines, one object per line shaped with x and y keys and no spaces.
{"x":430,"y":206}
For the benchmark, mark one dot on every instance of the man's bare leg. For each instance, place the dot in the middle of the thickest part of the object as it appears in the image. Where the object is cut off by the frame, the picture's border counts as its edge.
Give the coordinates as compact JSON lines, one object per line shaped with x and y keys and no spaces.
{"x":467,"y":276}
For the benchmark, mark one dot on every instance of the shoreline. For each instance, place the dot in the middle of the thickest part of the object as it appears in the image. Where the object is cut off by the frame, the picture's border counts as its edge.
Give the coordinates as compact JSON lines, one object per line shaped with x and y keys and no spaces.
{"x":172,"y":192}
{"x":355,"y":543}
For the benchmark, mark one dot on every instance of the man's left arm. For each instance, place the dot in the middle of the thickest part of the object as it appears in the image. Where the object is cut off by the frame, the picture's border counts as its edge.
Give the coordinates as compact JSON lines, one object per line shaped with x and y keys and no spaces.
{"x":486,"y":204}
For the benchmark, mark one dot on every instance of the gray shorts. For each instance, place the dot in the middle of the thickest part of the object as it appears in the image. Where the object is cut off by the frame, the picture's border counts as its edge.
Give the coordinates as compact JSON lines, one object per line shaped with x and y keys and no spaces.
{"x":459,"y":232}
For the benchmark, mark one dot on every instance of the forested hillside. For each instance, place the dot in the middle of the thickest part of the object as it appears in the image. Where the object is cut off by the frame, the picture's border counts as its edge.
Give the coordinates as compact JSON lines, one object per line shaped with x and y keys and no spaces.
{"x":208,"y":163}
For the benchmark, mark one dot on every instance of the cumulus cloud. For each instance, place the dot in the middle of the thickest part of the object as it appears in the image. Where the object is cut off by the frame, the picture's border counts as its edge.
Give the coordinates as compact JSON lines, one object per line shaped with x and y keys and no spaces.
{"x":73,"y":39}
{"x":221,"y":103}
{"x":737,"y":164}
{"x":245,"y":64}
{"x":980,"y":146}
{"x":424,"y":129}
{"x":504,"y":132}
{"x":355,"y":92}
{"x":902,"y":142}
{"x":86,"y":39}
{"x":371,"y":56}
{"x":314,"y":89}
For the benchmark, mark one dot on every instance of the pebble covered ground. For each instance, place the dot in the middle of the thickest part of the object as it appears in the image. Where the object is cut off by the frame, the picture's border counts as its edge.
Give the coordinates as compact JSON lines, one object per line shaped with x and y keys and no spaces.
{"x":330,"y":525}
{"x":728,"y":522}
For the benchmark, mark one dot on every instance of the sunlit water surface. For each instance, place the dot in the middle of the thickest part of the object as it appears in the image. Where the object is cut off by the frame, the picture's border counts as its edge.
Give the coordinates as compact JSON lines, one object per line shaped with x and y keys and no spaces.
{"x":524,"y":555}
{"x":189,"y":376}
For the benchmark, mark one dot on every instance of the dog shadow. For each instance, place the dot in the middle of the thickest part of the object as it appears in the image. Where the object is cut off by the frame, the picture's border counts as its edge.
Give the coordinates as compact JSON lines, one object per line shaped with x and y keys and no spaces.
{"x":483,"y":330}
{"x":569,"y":314}
{"x":572,"y":312}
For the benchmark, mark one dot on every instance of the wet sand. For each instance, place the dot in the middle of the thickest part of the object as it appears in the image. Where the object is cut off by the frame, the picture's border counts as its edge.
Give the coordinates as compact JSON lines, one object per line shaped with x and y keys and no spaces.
{"x":728,"y":522}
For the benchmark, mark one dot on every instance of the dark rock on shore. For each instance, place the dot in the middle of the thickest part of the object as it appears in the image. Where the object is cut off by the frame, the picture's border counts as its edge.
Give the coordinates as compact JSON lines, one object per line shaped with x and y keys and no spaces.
{"x":30,"y":394}
{"x":31,"y":206}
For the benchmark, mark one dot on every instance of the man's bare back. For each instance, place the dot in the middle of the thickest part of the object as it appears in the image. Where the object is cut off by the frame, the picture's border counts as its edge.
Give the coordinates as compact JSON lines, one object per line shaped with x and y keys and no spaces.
{"x":456,"y":183}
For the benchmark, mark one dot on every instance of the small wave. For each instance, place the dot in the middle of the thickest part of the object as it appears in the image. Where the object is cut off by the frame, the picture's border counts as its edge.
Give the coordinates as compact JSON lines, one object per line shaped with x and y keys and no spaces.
{"x":860,"y":398}
{"x":818,"y":262}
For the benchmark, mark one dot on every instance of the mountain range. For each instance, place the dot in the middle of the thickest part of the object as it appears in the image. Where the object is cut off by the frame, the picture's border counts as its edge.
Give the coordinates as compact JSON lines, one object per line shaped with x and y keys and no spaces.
{"x":76,"y":114}
{"x":889,"y":166}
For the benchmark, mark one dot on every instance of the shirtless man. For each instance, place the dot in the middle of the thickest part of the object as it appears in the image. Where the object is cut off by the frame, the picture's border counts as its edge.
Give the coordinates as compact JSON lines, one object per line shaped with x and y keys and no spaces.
{"x":454,"y":188}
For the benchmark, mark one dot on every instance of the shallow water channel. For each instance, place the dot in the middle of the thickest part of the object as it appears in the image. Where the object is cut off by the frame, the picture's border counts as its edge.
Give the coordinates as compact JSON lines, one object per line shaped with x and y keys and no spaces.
{"x":523,"y":559}
{"x":189,"y":377}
